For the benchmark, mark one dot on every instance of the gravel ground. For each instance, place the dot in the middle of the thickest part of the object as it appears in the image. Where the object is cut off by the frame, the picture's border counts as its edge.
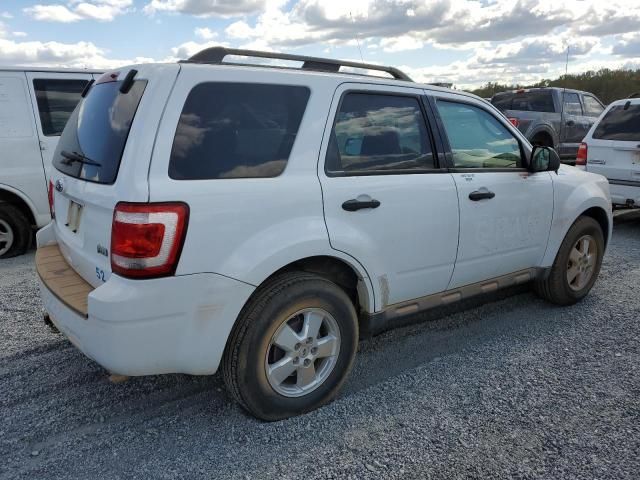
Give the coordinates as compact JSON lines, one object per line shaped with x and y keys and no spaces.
{"x":516,"y":388}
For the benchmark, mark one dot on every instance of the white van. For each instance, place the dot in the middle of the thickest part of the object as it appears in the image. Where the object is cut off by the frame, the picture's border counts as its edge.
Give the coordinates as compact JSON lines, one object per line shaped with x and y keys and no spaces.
{"x":34,"y":108}
{"x":612,"y":148}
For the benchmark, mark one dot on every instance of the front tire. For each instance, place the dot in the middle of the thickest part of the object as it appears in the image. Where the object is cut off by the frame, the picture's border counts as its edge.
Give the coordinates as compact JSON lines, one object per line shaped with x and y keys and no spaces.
{"x":576,"y":266}
{"x":292,"y":347}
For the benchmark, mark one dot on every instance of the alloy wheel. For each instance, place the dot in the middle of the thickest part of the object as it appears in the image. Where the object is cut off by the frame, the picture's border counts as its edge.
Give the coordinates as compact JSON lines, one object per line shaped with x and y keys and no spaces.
{"x":302,"y":352}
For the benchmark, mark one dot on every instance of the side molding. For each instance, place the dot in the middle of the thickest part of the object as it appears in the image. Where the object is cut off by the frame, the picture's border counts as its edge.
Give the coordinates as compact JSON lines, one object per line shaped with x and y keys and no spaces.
{"x":378,"y":322}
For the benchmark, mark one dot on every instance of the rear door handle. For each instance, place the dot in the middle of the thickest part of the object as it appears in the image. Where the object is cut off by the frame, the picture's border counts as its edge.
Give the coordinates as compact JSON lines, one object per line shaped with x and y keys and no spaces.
{"x":570,"y":123}
{"x":481,"y":195}
{"x":353,"y":204}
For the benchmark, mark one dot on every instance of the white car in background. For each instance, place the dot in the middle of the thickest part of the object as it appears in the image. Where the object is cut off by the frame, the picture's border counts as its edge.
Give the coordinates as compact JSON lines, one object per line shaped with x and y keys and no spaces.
{"x":258,"y":220}
{"x":34,"y":107}
{"x":612,"y":148}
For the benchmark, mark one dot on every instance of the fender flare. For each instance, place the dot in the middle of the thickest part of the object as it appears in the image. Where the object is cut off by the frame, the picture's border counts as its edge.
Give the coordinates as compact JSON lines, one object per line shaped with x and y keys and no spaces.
{"x":27,"y":201}
{"x":548,"y":129}
{"x":562,"y":222}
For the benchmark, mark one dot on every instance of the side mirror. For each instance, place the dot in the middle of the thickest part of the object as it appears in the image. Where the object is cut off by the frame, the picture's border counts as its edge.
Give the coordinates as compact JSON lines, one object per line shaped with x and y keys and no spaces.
{"x":544,"y":159}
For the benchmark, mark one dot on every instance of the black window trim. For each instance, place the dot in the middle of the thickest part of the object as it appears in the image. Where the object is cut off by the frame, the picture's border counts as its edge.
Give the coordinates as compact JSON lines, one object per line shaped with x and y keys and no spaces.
{"x":449,"y":153}
{"x":426,"y":117}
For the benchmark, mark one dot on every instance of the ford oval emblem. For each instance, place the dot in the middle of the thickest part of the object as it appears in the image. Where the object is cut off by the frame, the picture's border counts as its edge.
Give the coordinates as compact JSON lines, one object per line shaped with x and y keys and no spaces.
{"x":59,"y":185}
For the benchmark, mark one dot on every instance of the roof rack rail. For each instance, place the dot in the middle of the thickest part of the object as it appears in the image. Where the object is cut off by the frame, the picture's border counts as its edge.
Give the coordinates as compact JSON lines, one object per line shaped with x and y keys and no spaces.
{"x":216,"y":55}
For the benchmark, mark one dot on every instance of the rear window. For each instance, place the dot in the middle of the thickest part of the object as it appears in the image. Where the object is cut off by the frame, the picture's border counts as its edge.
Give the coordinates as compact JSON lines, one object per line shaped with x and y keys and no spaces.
{"x":92,"y":143}
{"x":56,"y":98}
{"x":620,"y":124}
{"x":236,"y":130}
{"x":502,"y":101}
{"x":533,"y":101}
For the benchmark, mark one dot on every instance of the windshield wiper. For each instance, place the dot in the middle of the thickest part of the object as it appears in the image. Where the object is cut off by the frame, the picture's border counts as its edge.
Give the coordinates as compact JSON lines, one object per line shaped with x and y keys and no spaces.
{"x":78,"y":157}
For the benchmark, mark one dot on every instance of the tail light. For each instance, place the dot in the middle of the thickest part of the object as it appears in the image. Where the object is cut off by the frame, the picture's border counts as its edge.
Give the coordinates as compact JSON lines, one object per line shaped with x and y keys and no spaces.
{"x":581,"y":157}
{"x":52,"y":209}
{"x":514,"y":121}
{"x":147,"y":238}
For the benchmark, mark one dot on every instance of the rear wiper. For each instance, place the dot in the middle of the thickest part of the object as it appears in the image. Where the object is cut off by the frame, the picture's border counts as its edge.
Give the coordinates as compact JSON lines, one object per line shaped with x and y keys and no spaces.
{"x":78,"y":157}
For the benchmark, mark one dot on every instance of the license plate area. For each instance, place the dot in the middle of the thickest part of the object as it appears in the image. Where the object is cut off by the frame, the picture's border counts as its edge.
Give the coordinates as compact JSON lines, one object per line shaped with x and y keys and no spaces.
{"x":74,"y":215}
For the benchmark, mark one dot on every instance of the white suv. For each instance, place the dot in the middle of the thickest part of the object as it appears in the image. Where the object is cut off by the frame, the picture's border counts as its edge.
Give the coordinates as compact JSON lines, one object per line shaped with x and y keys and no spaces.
{"x":255,"y":219}
{"x":612,"y":148}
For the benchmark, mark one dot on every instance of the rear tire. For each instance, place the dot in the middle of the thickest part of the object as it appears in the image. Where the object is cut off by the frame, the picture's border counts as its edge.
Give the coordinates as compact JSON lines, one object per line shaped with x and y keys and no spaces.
{"x":576,"y":266}
{"x":15,"y":231}
{"x":271,"y":332}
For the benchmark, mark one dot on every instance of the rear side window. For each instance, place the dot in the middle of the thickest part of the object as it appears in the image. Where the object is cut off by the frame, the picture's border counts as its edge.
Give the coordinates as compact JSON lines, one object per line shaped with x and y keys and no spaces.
{"x":533,"y":101}
{"x":477,"y":138}
{"x":56,"y":101}
{"x":236,"y":130}
{"x":93,"y":141}
{"x":620,"y":124}
{"x":572,"y":104}
{"x":376,"y":133}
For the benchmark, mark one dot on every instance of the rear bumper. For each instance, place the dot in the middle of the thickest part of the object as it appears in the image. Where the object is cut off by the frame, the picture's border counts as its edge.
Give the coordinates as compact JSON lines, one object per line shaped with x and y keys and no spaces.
{"x":147,"y":327}
{"x":622,"y":194}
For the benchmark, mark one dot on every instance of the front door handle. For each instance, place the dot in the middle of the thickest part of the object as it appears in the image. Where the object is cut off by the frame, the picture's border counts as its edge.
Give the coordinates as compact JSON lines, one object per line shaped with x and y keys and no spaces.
{"x":481,"y":195}
{"x":353,"y":204}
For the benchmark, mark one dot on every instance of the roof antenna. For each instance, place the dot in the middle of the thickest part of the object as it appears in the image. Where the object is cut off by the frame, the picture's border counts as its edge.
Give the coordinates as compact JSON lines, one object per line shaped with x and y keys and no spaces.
{"x":357,"y":41}
{"x":564,"y":94}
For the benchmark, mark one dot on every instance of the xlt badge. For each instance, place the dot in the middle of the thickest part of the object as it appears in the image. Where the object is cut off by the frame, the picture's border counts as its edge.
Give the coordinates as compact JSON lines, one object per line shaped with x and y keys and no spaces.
{"x":102,"y":250}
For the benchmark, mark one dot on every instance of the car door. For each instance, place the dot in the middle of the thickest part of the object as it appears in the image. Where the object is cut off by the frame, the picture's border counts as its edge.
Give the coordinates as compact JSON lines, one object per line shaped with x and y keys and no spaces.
{"x":505,"y":211}
{"x":575,"y":125}
{"x":55,"y":96}
{"x":386,"y":201}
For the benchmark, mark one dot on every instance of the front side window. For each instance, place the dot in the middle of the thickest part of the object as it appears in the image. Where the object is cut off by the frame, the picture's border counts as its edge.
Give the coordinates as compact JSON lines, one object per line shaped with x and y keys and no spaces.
{"x":477,"y":139}
{"x":572,"y":104}
{"x":56,"y":100}
{"x":592,"y":107}
{"x":377,"y":133}
{"x":620,"y":123}
{"x":236,"y":130}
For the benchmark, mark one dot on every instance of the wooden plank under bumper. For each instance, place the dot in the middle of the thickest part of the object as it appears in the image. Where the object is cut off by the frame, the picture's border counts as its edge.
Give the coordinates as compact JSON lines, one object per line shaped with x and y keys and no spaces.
{"x":62,"y":280}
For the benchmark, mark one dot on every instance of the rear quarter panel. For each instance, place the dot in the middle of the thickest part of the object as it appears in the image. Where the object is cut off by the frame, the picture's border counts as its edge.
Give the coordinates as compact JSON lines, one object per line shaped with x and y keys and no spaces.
{"x":248,"y":228}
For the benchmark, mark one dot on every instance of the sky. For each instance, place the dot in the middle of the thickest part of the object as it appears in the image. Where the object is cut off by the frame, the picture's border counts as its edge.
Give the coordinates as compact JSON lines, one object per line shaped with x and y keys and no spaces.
{"x":466,"y":42}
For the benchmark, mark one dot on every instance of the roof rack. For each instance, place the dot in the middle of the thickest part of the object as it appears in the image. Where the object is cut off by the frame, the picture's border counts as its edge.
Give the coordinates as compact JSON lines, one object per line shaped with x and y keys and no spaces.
{"x":215,"y":55}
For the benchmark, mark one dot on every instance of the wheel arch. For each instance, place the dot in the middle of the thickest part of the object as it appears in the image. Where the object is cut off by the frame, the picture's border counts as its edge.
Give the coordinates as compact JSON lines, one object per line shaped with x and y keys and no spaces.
{"x":600,"y":216}
{"x":19,"y":200}
{"x":547,"y":131}
{"x":594,"y":207}
{"x":348,"y":275}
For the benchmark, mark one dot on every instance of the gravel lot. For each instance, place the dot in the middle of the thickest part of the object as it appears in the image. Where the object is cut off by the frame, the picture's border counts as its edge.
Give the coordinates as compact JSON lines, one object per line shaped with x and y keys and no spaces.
{"x":516,"y":388}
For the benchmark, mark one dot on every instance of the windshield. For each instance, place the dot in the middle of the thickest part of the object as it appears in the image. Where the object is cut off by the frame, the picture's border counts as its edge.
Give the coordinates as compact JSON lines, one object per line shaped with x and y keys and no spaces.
{"x":94,"y":138}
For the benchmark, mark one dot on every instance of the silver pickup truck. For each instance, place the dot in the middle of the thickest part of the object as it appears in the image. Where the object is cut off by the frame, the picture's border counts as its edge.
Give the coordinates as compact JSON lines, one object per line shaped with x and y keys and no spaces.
{"x":546,"y":120}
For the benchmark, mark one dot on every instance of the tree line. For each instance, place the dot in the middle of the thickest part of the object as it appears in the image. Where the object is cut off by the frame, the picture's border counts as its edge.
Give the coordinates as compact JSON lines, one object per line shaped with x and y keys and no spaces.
{"x":608,"y":85}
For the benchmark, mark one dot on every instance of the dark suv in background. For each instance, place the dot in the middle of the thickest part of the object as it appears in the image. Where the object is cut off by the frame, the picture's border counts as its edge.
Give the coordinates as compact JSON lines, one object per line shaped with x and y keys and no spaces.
{"x":539,"y":113}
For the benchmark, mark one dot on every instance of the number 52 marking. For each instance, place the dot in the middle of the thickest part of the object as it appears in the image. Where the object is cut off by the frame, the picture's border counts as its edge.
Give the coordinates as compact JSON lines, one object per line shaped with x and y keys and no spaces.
{"x":100,"y":274}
